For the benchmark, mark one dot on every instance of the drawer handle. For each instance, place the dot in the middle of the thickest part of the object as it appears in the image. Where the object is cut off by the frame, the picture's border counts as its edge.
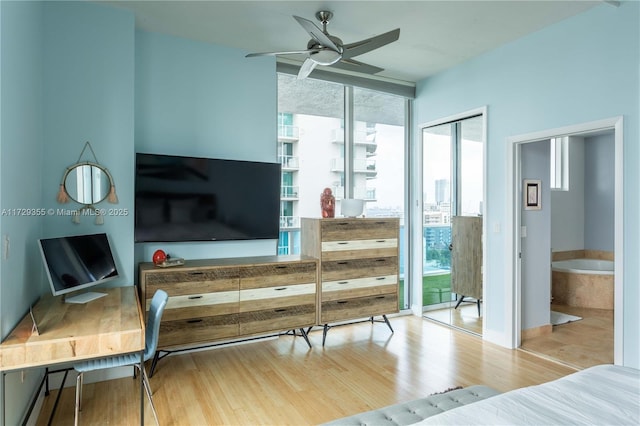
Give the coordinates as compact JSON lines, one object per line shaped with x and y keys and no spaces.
{"x":380,"y":297}
{"x":193,"y":321}
{"x":380,"y":223}
{"x":196,"y":273}
{"x":381,"y":260}
{"x":340,"y":302}
{"x":381,"y":278}
{"x":280,"y":288}
{"x":343,"y":263}
{"x":343,"y":223}
{"x":281,"y":310}
{"x":343,"y":282}
{"x":381,"y":241}
{"x":281,"y":267}
{"x":343,"y":243}
{"x":195,"y":297}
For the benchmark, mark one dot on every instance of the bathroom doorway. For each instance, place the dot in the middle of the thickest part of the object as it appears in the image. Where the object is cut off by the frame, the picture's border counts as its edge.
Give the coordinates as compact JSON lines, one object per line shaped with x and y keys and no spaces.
{"x":599,"y":327}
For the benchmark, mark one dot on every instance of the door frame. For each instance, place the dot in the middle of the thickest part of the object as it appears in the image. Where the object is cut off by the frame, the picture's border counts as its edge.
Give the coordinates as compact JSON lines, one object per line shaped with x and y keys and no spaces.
{"x":513,"y":284}
{"x":418,"y":202}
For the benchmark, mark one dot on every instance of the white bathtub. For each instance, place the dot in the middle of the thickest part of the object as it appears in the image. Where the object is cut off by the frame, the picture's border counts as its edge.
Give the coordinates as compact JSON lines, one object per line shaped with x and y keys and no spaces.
{"x":584,"y":266}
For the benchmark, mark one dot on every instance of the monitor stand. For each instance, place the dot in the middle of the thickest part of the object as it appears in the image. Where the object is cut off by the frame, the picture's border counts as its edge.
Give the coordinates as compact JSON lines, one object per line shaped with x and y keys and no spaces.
{"x":84,"y":297}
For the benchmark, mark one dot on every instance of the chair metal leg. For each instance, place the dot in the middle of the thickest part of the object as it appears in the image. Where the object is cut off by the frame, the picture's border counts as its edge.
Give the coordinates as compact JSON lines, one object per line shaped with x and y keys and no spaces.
{"x":78,"y":398}
{"x":156,"y":357}
{"x":147,"y":388}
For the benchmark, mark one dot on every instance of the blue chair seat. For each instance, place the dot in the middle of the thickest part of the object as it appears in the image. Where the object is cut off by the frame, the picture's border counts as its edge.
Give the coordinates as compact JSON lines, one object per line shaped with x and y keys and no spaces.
{"x":112,"y":362}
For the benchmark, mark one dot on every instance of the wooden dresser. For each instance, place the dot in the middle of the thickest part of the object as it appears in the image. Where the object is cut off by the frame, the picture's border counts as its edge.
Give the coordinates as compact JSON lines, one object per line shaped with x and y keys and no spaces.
{"x":359,"y":274}
{"x":224,"y":299}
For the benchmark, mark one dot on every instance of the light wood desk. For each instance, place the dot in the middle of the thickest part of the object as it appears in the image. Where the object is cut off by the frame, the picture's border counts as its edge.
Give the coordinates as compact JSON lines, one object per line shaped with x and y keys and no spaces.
{"x":111,"y":325}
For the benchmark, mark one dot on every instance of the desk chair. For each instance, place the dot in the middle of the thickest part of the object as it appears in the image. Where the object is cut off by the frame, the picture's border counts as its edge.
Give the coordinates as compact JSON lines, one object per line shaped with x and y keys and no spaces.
{"x":158,"y":303}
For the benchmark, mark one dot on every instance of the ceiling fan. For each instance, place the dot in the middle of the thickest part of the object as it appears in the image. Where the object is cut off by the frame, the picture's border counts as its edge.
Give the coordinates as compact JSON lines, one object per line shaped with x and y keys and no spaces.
{"x":327,"y":50}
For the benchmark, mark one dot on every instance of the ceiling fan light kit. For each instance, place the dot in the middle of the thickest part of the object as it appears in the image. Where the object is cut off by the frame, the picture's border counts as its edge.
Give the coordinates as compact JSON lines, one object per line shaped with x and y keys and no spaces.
{"x":327,"y":50}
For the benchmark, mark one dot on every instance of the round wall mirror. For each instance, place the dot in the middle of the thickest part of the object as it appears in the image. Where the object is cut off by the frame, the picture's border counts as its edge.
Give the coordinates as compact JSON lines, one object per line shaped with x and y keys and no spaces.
{"x":87,"y":183}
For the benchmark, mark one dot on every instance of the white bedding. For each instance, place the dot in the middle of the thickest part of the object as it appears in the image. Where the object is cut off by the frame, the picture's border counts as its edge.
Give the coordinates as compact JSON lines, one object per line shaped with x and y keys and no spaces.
{"x":601,"y":395}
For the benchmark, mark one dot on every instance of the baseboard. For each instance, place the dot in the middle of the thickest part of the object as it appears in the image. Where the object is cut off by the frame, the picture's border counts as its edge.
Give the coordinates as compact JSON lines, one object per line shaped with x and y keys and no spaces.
{"x":530,"y":333}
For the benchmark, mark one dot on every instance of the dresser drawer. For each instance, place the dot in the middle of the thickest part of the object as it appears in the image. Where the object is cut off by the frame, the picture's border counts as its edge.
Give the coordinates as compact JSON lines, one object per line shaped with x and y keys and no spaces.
{"x":359,"y":287}
{"x":272,"y":297}
{"x":333,"y":270}
{"x":283,"y":318}
{"x":280,"y":274}
{"x":195,"y":330}
{"x":357,"y":249}
{"x":358,"y":229}
{"x":198,"y":305}
{"x":192,"y":282}
{"x":199,"y":275}
{"x":362,"y":307}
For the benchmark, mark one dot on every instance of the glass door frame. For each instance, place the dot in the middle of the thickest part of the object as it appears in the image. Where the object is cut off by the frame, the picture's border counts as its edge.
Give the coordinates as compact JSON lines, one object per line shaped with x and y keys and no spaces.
{"x":417,"y":201}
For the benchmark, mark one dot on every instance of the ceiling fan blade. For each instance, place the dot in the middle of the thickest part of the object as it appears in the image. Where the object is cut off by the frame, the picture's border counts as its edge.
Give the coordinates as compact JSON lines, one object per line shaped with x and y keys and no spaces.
{"x":316,"y":33}
{"x":307,"y":66}
{"x":357,"y":66}
{"x":292,"y":52}
{"x":367,"y":45}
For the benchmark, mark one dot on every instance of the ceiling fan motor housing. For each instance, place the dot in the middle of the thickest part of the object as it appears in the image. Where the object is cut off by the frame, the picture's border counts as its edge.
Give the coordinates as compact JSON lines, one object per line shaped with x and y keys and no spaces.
{"x":324,"y":16}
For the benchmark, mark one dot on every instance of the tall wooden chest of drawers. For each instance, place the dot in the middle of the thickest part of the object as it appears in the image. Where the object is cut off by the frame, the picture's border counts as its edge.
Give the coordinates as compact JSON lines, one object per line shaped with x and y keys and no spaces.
{"x":359,"y":274}
{"x":225,"y":299}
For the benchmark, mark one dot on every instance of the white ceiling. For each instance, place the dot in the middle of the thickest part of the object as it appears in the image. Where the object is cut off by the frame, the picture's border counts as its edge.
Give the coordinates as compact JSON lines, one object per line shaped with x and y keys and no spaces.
{"x":434,"y":35}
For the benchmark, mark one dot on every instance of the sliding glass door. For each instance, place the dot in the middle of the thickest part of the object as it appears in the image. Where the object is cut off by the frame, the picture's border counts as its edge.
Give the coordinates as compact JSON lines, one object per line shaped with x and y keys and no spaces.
{"x":436,"y":215}
{"x":452,"y":187}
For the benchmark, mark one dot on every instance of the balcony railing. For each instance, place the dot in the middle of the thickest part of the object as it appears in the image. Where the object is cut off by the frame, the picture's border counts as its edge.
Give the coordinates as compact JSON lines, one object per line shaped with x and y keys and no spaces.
{"x":289,"y":162}
{"x":288,"y":132}
{"x":337,"y":164}
{"x":362,"y":137}
{"x":338,"y":192}
{"x":360,"y":165}
{"x":370,"y":194}
{"x":367,"y":194}
{"x":289,"y":222}
{"x":289,"y":191}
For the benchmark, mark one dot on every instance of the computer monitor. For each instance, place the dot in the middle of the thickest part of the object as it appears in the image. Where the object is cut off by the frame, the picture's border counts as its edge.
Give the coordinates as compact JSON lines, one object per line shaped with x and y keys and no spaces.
{"x":76,"y":262}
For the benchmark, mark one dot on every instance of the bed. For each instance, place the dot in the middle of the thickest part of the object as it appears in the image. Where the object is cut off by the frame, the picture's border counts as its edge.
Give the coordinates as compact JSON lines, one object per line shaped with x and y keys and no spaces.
{"x":600,"y":395}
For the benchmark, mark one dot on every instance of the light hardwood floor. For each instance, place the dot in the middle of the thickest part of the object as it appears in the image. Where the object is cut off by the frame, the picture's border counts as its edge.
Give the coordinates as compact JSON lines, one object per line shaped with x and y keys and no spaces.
{"x":281,"y":381}
{"x":464,"y":317}
{"x":580,"y":344}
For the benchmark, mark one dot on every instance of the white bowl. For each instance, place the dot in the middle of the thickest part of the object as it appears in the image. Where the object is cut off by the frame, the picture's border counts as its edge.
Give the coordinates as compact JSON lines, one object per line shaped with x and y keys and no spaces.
{"x":350,"y":207}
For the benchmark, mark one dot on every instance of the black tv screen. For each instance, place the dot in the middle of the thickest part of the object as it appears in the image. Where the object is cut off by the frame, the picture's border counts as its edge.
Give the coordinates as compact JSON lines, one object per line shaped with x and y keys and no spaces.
{"x":205,"y":199}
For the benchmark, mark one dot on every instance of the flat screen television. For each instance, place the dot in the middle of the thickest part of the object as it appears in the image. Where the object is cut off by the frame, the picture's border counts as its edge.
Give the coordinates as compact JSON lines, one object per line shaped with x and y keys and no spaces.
{"x":205,"y":199}
{"x":76,"y":262}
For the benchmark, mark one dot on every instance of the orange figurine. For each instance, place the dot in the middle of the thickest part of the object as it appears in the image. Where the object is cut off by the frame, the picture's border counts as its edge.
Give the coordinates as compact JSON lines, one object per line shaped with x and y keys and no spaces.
{"x":328,"y":203}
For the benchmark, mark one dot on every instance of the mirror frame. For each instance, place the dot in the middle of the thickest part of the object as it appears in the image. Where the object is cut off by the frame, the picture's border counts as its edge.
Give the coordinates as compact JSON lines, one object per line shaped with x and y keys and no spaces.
{"x":72,"y":168}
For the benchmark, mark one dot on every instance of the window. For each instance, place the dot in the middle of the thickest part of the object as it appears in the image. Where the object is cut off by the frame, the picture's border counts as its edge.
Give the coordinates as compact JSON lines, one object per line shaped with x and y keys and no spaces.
{"x":356,"y":155}
{"x":559,"y":164}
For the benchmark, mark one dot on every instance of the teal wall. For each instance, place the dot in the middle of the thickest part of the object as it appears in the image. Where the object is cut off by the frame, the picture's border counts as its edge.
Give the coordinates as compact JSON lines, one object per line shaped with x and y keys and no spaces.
{"x":583,"y":69}
{"x":199,"y":99}
{"x":89,"y":96}
{"x":21,"y":140}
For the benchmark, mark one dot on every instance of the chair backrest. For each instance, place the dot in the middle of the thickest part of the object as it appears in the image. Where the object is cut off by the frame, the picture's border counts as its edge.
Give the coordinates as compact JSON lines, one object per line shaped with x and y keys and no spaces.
{"x":152,"y":331}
